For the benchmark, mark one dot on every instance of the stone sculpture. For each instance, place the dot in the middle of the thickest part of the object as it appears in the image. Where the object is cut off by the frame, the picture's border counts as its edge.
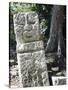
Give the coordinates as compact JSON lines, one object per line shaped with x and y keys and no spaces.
{"x":30,"y":50}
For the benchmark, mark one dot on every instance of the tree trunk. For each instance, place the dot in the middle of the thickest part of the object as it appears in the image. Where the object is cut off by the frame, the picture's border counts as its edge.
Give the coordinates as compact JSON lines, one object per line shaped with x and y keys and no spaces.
{"x":56,"y":41}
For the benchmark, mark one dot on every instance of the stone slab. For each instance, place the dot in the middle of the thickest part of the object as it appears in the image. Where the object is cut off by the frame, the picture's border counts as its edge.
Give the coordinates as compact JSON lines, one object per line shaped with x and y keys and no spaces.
{"x":32,"y":46}
{"x":33,"y":65}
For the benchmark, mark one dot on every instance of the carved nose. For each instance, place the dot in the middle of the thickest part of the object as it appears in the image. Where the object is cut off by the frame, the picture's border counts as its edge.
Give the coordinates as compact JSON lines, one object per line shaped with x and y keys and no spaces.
{"x":28,"y":27}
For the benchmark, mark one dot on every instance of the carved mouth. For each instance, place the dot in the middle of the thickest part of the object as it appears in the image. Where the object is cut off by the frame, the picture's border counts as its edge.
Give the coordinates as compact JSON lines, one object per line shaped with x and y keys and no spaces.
{"x":28,"y":34}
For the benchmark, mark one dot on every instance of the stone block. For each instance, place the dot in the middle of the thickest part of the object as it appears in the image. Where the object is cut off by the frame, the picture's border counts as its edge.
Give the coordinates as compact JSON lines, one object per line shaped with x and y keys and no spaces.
{"x":32,"y":46}
{"x":33,"y":64}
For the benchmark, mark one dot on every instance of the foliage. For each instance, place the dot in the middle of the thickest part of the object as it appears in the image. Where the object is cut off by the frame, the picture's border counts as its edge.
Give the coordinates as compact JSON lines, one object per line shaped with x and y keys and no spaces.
{"x":21,"y":7}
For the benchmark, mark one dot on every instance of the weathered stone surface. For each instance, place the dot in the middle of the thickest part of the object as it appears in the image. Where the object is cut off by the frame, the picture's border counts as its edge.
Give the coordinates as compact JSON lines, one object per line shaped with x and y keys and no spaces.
{"x":37,"y":45}
{"x":26,"y":27}
{"x":59,"y":80}
{"x":26,"y":33}
{"x":39,"y":57}
{"x":30,"y":50}
{"x":19,"y":33}
{"x":34,"y":65}
{"x":19,"y":18}
{"x":32,"y":18}
{"x":31,"y":35}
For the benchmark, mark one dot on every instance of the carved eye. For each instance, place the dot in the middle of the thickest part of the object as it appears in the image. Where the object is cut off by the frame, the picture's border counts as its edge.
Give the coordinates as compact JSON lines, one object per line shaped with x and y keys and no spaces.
{"x":31,"y":18}
{"x":27,"y":34}
{"x":19,"y":19}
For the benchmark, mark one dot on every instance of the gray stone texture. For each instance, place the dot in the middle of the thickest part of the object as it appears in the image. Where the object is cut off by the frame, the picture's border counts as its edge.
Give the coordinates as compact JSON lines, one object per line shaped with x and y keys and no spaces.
{"x":30,"y":50}
{"x":26,"y":27}
{"x":34,"y":65}
{"x":36,"y":45}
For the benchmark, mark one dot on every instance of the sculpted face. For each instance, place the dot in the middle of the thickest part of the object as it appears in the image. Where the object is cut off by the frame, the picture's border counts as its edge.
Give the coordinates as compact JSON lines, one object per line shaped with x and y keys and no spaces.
{"x":26,"y":27}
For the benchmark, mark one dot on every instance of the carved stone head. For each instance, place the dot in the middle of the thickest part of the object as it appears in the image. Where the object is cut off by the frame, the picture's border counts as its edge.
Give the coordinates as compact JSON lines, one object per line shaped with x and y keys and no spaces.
{"x":26,"y":26}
